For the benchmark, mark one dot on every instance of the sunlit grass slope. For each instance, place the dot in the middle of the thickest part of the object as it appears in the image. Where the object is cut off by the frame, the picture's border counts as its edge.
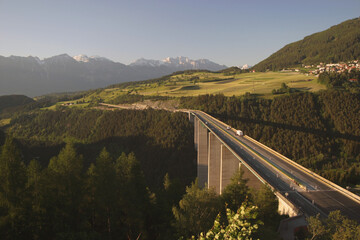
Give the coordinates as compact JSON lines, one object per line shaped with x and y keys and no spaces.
{"x":212,"y":83}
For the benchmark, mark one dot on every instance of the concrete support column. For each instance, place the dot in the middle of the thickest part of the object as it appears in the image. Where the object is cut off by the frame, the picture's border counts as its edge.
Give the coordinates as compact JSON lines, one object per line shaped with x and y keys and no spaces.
{"x":214,"y":163}
{"x":229,"y":165}
{"x":202,"y":157}
{"x":253,"y":181}
{"x":196,"y":133}
{"x":191,"y":117}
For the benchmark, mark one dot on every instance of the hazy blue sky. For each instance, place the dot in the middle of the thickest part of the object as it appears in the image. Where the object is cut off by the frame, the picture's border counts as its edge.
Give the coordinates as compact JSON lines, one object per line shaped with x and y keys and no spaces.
{"x":231,"y":32}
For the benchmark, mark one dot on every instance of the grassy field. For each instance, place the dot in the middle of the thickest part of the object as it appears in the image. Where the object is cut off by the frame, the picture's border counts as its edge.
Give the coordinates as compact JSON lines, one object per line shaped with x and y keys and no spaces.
{"x":212,"y":83}
{"x":199,"y":83}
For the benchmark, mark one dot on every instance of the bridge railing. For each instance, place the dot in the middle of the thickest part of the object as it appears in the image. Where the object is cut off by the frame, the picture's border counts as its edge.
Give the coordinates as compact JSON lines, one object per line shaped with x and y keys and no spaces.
{"x":311,"y":173}
{"x":279,"y":195}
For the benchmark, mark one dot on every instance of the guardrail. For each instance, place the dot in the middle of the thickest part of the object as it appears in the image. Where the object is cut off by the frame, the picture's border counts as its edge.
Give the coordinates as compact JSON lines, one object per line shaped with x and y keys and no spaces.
{"x":237,"y":156}
{"x":345,"y":192}
{"x":324,"y":180}
{"x":279,"y":195}
{"x":297,"y":181}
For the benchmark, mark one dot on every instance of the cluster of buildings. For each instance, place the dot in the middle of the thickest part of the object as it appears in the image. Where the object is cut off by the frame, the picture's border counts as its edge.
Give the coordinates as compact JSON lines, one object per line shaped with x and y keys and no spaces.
{"x":333,"y":67}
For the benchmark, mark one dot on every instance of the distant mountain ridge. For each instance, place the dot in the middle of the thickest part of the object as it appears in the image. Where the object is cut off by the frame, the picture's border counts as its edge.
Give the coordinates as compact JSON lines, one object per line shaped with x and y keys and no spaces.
{"x":339,"y":43}
{"x":62,"y":73}
{"x":180,"y":62}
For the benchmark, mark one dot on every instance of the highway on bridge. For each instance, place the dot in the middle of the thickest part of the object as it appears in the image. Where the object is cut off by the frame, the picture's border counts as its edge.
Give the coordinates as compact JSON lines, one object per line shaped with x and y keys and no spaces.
{"x":309,"y":193}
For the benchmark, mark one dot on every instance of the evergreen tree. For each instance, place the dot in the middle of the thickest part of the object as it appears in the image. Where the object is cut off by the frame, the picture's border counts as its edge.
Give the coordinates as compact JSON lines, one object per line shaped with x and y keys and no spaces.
{"x":196,"y":211}
{"x":12,"y":192}
{"x":236,"y":192}
{"x":102,"y":189}
{"x":65,"y":193}
{"x":133,"y":196}
{"x":35,"y":197}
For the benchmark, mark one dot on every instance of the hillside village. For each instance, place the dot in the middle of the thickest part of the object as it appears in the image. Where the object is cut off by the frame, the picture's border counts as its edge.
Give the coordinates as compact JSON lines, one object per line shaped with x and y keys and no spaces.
{"x":333,"y":67}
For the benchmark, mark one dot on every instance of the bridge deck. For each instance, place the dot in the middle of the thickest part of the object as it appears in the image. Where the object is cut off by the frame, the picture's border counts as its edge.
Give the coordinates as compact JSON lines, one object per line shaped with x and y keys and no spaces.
{"x":310,"y":194}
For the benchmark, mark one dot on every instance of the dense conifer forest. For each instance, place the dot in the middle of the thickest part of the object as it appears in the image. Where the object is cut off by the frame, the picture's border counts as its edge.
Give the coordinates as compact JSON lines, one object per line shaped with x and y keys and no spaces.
{"x":162,"y":141}
{"x":99,"y":174}
{"x":339,"y":43}
{"x":74,"y":173}
{"x":321,"y":131}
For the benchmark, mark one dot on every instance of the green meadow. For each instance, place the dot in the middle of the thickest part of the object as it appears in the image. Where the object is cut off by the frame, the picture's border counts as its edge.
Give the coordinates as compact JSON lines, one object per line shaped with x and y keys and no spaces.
{"x":213,"y":83}
{"x":198,"y":83}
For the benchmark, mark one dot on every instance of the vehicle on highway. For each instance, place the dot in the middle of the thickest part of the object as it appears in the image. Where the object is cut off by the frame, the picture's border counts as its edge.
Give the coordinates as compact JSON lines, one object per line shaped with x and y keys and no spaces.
{"x":228,"y":127}
{"x":206,"y":123}
{"x":239,"y":133}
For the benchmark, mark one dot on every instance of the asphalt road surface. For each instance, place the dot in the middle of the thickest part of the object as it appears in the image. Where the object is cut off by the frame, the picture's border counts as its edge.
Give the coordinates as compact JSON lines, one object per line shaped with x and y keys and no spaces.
{"x":310,"y":194}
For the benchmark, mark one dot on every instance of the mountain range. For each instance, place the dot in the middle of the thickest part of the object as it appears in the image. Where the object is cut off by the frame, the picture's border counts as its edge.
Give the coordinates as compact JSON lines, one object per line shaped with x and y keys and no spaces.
{"x":63,"y":73}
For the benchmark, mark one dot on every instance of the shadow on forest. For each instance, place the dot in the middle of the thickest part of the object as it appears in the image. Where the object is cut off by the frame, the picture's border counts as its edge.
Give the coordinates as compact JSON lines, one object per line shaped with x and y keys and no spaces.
{"x":293,"y":128}
{"x":155,"y":160}
{"x":2,"y":137}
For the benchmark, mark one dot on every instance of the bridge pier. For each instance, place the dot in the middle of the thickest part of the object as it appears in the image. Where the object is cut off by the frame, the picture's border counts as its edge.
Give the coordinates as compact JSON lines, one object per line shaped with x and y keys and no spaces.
{"x":214,"y":163}
{"x":196,"y":133}
{"x":202,"y":154}
{"x":252,"y":180}
{"x":229,"y":165}
{"x":191,"y":117}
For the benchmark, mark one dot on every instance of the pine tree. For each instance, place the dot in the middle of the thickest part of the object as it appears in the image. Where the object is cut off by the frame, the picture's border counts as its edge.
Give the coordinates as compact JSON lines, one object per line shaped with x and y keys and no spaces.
{"x":12,"y":192}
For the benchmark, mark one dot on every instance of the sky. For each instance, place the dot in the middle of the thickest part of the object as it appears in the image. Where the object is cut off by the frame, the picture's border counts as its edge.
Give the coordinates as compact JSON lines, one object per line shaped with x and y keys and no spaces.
{"x":230,"y":32}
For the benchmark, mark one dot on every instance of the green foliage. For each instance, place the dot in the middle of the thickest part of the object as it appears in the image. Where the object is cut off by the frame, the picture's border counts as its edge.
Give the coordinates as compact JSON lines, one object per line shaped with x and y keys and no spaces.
{"x":336,"y":44}
{"x":236,"y":192}
{"x":108,"y":200}
{"x":241,"y":225}
{"x":196,"y":211}
{"x":65,"y":192}
{"x":284,"y":89}
{"x":335,"y":226}
{"x":233,"y":71}
{"x":12,"y":101}
{"x":319,"y":131}
{"x":162,"y":141}
{"x":133,"y":98}
{"x":103,"y":193}
{"x":267,"y":203}
{"x":111,"y":201}
{"x":155,"y":80}
{"x":12,"y":183}
{"x":15,"y":104}
{"x":333,"y":79}
{"x":316,"y":228}
{"x":100,"y":193}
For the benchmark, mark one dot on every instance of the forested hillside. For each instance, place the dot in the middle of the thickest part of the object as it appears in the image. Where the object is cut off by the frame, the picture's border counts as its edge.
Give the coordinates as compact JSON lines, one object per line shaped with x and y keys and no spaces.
{"x":319,"y":131}
{"x":336,"y":44}
{"x":94,"y":174}
{"x":159,"y":139}
{"x":77,"y":173}
{"x":120,"y":175}
{"x":13,"y":103}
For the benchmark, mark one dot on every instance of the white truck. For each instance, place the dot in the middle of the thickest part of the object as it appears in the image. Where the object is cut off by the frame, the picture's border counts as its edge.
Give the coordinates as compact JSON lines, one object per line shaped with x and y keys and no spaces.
{"x":239,"y":133}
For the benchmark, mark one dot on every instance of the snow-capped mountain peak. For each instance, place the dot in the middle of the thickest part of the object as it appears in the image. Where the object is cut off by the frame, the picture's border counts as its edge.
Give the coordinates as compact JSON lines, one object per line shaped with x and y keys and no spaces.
{"x":246,"y":66}
{"x":64,"y":73}
{"x":84,"y":58}
{"x":81,"y":58}
{"x":180,"y":62}
{"x":146,"y":62}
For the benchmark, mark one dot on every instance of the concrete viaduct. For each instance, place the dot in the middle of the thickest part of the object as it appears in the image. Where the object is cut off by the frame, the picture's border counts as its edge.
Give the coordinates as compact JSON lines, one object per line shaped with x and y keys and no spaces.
{"x":220,"y":153}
